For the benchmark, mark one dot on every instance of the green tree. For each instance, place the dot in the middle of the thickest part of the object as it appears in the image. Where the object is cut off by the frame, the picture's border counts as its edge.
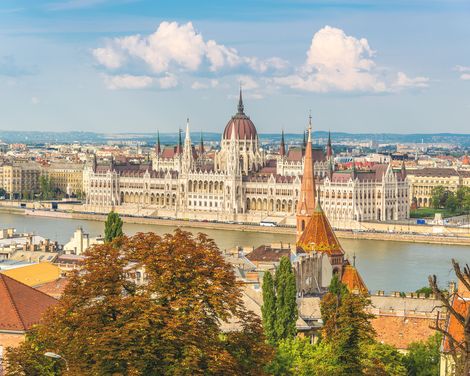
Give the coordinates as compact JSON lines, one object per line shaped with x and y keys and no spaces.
{"x":424,"y":290}
{"x":286,"y":300}
{"x":382,"y":360}
{"x":422,"y":358}
{"x":451,"y":202}
{"x":346,"y":325}
{"x":45,"y":187}
{"x":268,"y":310}
{"x":112,"y":227}
{"x":298,"y":357}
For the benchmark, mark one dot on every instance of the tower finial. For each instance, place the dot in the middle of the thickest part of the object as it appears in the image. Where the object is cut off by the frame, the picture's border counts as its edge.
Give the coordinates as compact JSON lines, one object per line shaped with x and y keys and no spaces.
{"x":241,"y":108}
{"x":309,"y":139}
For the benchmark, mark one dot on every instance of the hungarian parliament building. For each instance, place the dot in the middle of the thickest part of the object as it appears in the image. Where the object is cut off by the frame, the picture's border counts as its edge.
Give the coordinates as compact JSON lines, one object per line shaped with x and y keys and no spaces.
{"x":243,"y":183}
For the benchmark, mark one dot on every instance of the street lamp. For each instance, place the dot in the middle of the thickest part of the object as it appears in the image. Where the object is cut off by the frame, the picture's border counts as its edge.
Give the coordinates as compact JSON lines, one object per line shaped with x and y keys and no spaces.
{"x":57,"y":357}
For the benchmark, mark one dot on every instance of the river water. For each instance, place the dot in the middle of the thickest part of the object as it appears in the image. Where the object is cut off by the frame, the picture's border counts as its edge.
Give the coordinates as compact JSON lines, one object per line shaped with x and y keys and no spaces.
{"x":384,"y":265}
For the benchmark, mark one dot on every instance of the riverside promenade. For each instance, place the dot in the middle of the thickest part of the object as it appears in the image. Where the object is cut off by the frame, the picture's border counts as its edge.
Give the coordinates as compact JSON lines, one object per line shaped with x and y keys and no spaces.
{"x":370,"y":231}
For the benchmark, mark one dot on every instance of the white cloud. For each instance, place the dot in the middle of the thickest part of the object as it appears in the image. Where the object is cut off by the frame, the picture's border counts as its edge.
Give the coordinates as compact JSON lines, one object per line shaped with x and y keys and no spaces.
{"x":465,"y":76}
{"x":109,"y":57}
{"x":35,"y":100}
{"x":403,"y":81}
{"x":198,"y":85}
{"x":339,"y":62}
{"x":127,"y":81}
{"x":248,"y":82}
{"x":465,"y":72}
{"x":174,"y":48}
{"x":167,"y":82}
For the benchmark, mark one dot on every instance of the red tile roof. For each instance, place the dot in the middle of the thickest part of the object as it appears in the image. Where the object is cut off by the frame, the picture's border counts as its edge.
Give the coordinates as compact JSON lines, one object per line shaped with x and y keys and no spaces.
{"x":319,"y":236}
{"x":353,"y":280}
{"x":21,"y":306}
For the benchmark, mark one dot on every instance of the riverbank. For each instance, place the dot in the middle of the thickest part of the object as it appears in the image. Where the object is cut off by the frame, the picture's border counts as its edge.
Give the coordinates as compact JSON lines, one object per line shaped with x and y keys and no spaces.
{"x":201,"y":225}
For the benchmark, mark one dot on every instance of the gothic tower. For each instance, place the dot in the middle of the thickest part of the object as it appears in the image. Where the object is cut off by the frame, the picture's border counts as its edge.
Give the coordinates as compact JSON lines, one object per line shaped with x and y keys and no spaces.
{"x":306,"y":205}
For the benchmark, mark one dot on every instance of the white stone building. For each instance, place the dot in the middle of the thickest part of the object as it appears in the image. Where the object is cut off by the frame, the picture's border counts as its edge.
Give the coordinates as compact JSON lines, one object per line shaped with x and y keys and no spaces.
{"x":238,"y":182}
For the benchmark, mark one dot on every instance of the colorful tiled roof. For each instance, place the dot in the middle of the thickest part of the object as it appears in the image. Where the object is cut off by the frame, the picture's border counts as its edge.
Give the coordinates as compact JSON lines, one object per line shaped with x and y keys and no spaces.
{"x":36,"y":274}
{"x":353,"y":280}
{"x":319,"y":236}
{"x":21,"y":306}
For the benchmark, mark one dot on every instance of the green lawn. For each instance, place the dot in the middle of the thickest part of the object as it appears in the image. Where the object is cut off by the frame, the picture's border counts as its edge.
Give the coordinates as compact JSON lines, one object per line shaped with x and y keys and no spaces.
{"x":429,"y":213}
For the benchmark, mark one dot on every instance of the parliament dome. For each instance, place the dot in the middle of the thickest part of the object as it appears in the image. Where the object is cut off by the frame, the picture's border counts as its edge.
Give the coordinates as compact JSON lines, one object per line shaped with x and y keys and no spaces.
{"x":241,"y":125}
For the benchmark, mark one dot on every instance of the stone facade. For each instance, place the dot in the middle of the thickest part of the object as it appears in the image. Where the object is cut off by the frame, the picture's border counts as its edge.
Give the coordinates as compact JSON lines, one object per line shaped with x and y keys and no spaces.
{"x":238,"y":182}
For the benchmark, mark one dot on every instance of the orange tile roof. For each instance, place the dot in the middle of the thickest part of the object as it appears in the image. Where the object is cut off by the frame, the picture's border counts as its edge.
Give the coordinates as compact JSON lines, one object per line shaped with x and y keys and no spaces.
{"x":353,"y":280}
{"x":319,"y":236}
{"x":54,"y":288}
{"x":400,"y":331}
{"x":35,"y":274}
{"x":21,"y":306}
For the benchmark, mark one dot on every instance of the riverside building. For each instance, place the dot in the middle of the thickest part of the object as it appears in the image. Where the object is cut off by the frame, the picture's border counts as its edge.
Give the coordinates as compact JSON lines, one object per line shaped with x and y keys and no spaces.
{"x":240,"y":183}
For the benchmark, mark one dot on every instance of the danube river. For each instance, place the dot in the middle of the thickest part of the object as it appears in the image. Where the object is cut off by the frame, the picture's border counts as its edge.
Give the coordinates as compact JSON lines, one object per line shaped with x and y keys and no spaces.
{"x":389,"y":266}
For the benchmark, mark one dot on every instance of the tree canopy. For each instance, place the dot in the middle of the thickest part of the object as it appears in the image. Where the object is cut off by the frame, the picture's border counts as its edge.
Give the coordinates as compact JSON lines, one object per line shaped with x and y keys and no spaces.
{"x":279,"y":310}
{"x":109,"y":322}
{"x":112,"y":227}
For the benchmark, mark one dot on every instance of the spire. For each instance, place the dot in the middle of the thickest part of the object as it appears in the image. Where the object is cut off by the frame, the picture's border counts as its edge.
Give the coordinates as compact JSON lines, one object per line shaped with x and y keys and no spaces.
{"x":282,"y":146}
{"x":188,"y":136}
{"x":403,"y":169}
{"x":306,"y":205}
{"x":179,"y":148}
{"x":201,"y":145}
{"x":329,"y":150}
{"x":241,"y":108}
{"x":353,"y":169}
{"x":158,"y":148}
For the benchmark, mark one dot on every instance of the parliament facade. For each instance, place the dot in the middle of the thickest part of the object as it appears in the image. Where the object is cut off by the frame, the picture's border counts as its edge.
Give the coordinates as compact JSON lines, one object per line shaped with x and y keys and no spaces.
{"x":240,"y":182}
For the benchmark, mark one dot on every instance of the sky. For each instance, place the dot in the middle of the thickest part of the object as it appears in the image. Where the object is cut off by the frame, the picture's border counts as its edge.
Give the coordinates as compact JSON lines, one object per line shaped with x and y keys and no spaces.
{"x":384,"y":66}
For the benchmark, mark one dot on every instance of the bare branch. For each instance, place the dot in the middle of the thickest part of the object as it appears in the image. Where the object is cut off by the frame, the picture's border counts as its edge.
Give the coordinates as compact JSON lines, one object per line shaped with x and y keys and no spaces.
{"x":464,"y":277}
{"x":444,"y":299}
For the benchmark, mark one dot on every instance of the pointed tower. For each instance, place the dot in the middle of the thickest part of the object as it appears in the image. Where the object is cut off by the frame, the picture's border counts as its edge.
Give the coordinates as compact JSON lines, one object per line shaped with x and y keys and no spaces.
{"x":179,"y":147}
{"x":329,"y":149}
{"x":187,"y":162}
{"x":201,"y":145}
{"x":403,"y":170}
{"x":233,"y":157}
{"x":241,"y":107}
{"x":306,"y":204}
{"x":319,"y":236}
{"x":282,"y":146}
{"x":158,"y":148}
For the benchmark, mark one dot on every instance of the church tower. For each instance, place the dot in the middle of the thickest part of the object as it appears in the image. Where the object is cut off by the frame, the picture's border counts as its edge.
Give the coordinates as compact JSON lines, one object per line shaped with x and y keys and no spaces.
{"x":187,"y":162}
{"x":306,"y":205}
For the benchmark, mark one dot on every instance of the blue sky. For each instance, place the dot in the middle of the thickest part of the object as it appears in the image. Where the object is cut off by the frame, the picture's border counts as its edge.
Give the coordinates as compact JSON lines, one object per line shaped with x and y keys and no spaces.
{"x":139,"y":66}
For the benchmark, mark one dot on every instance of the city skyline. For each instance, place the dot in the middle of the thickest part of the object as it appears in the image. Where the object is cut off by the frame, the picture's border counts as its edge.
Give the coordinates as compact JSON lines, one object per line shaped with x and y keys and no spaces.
{"x":121,"y":66}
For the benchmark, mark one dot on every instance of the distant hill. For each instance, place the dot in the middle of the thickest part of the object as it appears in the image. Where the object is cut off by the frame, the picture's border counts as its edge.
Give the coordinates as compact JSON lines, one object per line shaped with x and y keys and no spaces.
{"x":39,"y":138}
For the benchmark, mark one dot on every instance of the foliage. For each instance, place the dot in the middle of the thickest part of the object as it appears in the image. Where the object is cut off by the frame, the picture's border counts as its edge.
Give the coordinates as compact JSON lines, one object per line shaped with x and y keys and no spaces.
{"x":297,"y":356}
{"x":279,"y":310}
{"x":382,"y":360}
{"x":346,"y":326}
{"x":422,"y":358}
{"x":112,"y":227}
{"x":443,"y":198}
{"x":286,"y":302}
{"x":268,"y":310}
{"x":106,"y":323}
{"x":45,"y":187}
{"x":28,"y":359}
{"x":426,"y":290}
